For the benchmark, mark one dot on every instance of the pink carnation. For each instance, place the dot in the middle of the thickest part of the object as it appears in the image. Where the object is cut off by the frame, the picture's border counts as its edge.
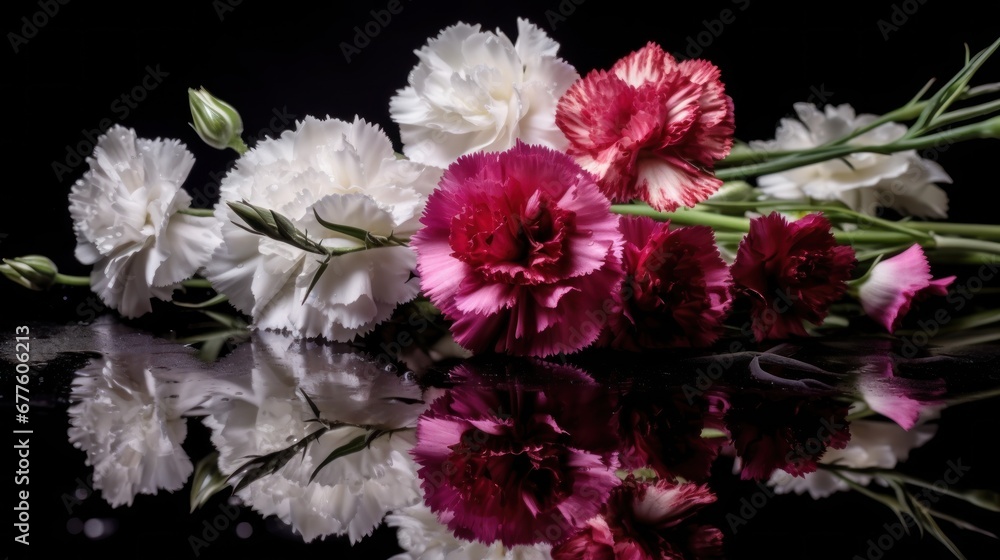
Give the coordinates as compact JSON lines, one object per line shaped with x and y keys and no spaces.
{"x":676,"y":291}
{"x":517,"y":247}
{"x":651,"y":128}
{"x":792,"y":272}
{"x":520,"y":458}
{"x":647,"y":521}
{"x":894,"y":284}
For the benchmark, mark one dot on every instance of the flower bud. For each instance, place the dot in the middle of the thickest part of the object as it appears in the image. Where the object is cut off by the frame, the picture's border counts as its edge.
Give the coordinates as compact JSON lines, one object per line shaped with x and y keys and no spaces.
{"x":215,"y":121}
{"x":34,"y":272}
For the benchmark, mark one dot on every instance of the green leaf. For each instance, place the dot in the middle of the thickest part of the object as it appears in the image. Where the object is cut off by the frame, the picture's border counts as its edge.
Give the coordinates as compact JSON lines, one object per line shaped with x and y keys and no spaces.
{"x":259,"y":467}
{"x":207,"y":481}
{"x":951,"y":91}
{"x":221,"y":298}
{"x":350,"y":231}
{"x":315,"y":279}
{"x":353,"y":446}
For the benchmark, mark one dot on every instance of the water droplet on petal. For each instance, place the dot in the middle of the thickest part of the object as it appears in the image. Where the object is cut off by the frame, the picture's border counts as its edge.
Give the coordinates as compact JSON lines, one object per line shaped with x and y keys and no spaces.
{"x":591,"y":242}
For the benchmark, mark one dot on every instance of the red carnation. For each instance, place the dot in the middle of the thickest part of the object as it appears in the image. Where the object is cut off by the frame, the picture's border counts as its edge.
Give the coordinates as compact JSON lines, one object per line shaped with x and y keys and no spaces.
{"x":792,"y":271}
{"x":677,"y":288}
{"x":651,"y":128}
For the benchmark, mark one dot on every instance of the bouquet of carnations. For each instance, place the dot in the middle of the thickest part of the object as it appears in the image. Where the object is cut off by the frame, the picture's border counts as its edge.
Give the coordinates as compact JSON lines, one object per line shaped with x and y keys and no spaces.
{"x":532,"y":212}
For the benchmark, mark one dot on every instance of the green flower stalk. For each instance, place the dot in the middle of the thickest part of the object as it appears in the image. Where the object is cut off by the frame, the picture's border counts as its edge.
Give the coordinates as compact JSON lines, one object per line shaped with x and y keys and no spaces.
{"x":216,"y":122}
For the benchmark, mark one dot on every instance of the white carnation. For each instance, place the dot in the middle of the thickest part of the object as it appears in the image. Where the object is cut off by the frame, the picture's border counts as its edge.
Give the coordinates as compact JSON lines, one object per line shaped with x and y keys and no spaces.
{"x":125,"y":216}
{"x":350,"y":495}
{"x":132,"y":432}
{"x":864,"y":182}
{"x":476,"y":90}
{"x":348,"y":174}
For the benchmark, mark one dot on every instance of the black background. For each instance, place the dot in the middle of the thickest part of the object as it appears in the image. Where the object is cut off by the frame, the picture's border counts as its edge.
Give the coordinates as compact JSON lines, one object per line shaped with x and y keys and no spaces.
{"x":288,"y":58}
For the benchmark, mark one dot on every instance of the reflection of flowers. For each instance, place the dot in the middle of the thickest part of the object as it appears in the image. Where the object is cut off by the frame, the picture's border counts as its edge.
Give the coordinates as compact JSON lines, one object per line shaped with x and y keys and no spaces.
{"x":676,"y":290}
{"x":132,"y":432}
{"x":424,"y":537}
{"x":349,"y":495}
{"x":792,"y":271}
{"x":517,"y":247}
{"x":863,"y":181}
{"x":650,"y":128}
{"x":647,"y":521}
{"x":772,"y":430}
{"x":872,"y":444}
{"x":515,"y":461}
{"x":476,"y":91}
{"x":347,"y":174}
{"x":125,"y":213}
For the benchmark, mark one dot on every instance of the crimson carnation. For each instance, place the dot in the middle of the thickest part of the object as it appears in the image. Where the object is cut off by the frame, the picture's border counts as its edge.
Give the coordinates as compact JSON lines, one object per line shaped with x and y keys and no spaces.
{"x":792,"y":272}
{"x":517,"y":247}
{"x":677,"y":287}
{"x":651,"y":128}
{"x":525,"y":458}
{"x":647,"y":521}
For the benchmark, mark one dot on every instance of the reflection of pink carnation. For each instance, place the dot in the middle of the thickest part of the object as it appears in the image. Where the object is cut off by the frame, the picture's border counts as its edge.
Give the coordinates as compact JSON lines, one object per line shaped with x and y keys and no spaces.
{"x":647,"y":521}
{"x":650,"y":128}
{"x":517,"y":247}
{"x":895,"y":283}
{"x":676,"y":290}
{"x":503,"y":461}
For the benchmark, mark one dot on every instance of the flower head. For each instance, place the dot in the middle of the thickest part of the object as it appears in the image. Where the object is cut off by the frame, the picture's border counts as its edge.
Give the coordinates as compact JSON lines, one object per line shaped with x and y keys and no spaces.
{"x":125,"y":214}
{"x":647,"y":521}
{"x":517,"y":248}
{"x":476,"y":90}
{"x":892,"y":286}
{"x":676,"y":290}
{"x":346,"y":173}
{"x":792,"y":272}
{"x":651,"y":128}
{"x":903,"y":181}
{"x":515,"y":460}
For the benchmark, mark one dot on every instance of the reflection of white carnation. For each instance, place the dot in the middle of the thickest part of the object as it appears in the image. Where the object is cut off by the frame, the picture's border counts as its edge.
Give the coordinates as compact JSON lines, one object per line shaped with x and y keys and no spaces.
{"x":476,"y":90}
{"x":903,"y":181}
{"x":125,"y":215}
{"x":350,"y":495}
{"x":872,"y":444}
{"x":423,"y":537}
{"x":131,"y":432}
{"x":348,"y":174}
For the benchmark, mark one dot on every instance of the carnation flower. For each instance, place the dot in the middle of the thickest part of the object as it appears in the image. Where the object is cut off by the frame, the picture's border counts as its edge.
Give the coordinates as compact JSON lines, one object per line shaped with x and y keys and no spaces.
{"x":521,"y":459}
{"x":125,"y":214}
{"x":662,"y":430}
{"x":517,"y":248}
{"x":475,"y":90}
{"x":774,"y":430}
{"x":792,"y":272}
{"x":894,"y":284}
{"x":350,"y":495}
{"x":422,"y":536}
{"x":863,"y":181}
{"x":651,"y":128}
{"x":873,"y":444}
{"x":647,"y":521}
{"x":348,"y":174}
{"x":676,"y":290}
{"x":128,"y":413}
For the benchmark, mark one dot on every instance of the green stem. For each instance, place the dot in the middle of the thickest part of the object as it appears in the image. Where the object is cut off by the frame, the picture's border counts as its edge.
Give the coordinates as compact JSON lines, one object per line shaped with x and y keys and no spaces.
{"x":68,"y":280}
{"x":988,"y":231}
{"x":196,"y":283}
{"x":200,"y":212}
{"x":822,"y":154}
{"x":239,"y":146}
{"x":965,"y":244}
{"x":685,"y":217}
